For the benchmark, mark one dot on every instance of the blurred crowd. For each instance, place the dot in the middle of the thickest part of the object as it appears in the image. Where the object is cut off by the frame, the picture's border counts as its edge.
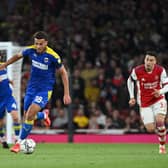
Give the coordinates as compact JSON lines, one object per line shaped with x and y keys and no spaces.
{"x":99,"y":42}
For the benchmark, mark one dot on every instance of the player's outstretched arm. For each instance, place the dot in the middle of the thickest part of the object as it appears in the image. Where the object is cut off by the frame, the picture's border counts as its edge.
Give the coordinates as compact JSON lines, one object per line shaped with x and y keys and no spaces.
{"x":64,"y":75}
{"x":10,"y":61}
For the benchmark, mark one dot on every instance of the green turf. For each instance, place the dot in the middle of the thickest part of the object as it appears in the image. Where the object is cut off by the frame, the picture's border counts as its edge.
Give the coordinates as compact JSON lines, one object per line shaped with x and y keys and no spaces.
{"x":87,"y":156}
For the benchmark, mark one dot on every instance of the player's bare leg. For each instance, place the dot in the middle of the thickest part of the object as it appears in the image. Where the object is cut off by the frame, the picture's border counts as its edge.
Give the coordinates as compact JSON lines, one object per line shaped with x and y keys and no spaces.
{"x":27,"y":126}
{"x":16,"y":124}
{"x":2,"y":136}
{"x":161,"y":131}
{"x":150,"y":127}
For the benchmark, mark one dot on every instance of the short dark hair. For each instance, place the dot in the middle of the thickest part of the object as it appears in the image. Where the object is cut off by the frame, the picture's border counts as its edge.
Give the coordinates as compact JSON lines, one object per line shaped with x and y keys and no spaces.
{"x":41,"y":35}
{"x":152,"y":53}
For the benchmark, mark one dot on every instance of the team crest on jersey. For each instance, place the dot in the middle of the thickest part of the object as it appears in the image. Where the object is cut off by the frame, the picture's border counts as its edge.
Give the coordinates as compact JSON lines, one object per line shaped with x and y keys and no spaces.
{"x":143,"y":79}
{"x":45,"y":59}
{"x":35,"y":55}
{"x":156,"y":77}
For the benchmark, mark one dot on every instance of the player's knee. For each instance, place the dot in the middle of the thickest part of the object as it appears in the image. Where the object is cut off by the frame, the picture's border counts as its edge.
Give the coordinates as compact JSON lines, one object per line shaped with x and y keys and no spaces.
{"x":15,"y":119}
{"x":150,"y":128}
{"x":160,"y":120}
{"x":1,"y":123}
{"x":15,"y":116}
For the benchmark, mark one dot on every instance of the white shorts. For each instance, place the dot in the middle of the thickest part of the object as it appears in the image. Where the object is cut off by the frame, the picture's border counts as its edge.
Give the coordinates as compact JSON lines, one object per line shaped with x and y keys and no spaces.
{"x":148,"y":113}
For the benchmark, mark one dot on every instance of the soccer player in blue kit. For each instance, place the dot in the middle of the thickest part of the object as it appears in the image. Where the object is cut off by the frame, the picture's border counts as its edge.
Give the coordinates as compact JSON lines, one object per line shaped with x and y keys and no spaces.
{"x":45,"y":61}
{"x":7,"y":103}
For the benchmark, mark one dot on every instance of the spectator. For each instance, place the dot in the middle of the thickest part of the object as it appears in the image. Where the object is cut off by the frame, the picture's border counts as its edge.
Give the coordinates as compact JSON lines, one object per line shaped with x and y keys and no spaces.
{"x":102,"y":36}
{"x":80,"y":120}
{"x":61,"y":120}
{"x":78,"y":85}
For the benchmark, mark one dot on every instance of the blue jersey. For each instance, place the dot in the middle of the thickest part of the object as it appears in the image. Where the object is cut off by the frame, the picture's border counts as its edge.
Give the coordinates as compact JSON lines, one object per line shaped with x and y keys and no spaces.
{"x":5,"y":89}
{"x":43,"y":69}
{"x":7,"y":101}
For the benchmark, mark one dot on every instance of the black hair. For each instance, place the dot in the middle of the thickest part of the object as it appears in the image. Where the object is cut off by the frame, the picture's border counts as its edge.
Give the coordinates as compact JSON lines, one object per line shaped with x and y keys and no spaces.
{"x":152,"y":53}
{"x":41,"y":35}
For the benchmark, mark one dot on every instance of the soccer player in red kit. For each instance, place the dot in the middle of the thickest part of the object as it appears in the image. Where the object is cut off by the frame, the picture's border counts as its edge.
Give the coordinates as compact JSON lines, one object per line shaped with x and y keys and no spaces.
{"x":151,"y":85}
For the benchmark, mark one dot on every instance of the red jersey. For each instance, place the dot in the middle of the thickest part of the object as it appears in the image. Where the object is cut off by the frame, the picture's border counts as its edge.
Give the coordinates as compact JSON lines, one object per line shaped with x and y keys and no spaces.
{"x":147,"y":82}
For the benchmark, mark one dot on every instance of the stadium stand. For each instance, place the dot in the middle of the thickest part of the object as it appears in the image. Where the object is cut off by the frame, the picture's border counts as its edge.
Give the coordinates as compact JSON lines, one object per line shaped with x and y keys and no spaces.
{"x":107,"y":38}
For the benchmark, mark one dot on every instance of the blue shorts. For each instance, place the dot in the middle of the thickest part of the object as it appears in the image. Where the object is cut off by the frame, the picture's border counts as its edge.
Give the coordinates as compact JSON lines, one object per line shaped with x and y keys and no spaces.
{"x":40,"y":98}
{"x":7,"y":103}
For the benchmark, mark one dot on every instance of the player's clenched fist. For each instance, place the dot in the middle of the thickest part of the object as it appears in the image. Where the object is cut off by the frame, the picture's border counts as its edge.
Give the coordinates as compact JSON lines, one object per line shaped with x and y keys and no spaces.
{"x":132,"y":102}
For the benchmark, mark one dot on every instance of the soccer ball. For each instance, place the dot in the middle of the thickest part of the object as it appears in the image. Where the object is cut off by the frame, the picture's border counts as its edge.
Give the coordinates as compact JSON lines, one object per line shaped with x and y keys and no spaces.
{"x":27,"y":146}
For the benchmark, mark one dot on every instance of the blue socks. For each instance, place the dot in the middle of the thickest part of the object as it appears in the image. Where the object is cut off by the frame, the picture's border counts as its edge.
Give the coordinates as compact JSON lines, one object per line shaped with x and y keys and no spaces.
{"x":40,"y":116}
{"x":26,"y":129}
{"x":16,"y":127}
{"x":1,"y":132}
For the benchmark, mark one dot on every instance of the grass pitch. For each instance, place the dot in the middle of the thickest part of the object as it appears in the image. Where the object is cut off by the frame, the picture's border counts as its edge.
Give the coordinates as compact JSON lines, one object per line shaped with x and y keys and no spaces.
{"x":86,"y":156}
